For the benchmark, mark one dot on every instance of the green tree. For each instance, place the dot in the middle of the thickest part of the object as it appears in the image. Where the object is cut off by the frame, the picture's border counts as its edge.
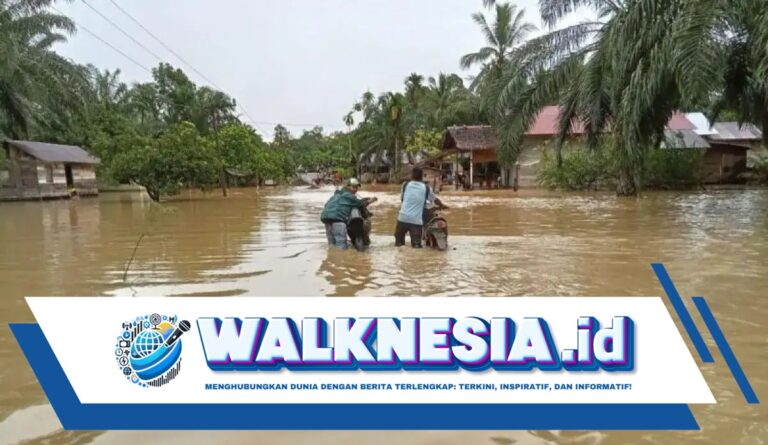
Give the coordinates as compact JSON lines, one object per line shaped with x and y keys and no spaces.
{"x":508,"y":31}
{"x":282,"y":137}
{"x":246,"y":152}
{"x":213,"y":109}
{"x":176,"y":94}
{"x":144,"y":104}
{"x":179,"y":158}
{"x":37,"y":86}
{"x":743,"y":50}
{"x":447,"y":101}
{"x":625,"y":74}
{"x":427,"y":140}
{"x":414,"y":89}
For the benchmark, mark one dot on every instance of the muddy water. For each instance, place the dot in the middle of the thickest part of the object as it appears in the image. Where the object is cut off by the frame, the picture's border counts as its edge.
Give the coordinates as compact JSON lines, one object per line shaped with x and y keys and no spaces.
{"x":270,"y":242}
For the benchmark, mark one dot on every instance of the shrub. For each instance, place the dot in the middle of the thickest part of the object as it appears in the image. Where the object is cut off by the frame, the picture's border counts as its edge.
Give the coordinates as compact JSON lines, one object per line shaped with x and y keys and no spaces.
{"x":672,"y":168}
{"x":590,"y":169}
{"x":581,"y":169}
{"x":760,"y":169}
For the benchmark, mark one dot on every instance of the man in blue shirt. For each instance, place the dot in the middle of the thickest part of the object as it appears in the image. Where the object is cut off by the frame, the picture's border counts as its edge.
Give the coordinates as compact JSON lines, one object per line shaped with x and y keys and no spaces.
{"x":415,"y":196}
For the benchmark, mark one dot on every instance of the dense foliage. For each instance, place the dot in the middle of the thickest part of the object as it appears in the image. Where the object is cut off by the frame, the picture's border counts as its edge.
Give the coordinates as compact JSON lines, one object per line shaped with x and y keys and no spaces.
{"x":626,"y":73}
{"x":585,"y":168}
{"x":623,"y":74}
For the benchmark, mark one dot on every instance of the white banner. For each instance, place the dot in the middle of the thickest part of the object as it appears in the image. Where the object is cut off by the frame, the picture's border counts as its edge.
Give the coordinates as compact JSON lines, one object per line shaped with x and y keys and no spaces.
{"x":141,"y":350}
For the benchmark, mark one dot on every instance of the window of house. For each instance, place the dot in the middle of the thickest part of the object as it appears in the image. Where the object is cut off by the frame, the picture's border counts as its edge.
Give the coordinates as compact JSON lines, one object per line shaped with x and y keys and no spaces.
{"x":49,"y":174}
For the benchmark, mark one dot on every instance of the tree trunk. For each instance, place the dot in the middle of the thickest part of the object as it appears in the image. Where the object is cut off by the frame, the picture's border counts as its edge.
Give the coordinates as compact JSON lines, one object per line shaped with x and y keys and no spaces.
{"x":154,"y":195}
{"x":627,"y":185}
{"x":396,"y":164}
{"x":223,"y":181}
{"x":222,"y":173}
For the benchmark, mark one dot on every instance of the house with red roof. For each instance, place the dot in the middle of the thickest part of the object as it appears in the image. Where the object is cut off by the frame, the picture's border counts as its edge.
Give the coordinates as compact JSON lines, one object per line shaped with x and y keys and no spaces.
{"x":475,"y":147}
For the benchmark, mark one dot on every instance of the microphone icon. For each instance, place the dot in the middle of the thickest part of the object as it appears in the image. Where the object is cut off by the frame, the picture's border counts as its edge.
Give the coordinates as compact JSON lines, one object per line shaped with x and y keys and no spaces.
{"x":183,"y":327}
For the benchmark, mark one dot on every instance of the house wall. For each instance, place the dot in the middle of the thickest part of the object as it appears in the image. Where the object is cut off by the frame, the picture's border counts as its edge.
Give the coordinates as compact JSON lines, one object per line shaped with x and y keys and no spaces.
{"x":84,"y":179}
{"x":529,"y":158}
{"x":723,"y":163}
{"x":29,"y":178}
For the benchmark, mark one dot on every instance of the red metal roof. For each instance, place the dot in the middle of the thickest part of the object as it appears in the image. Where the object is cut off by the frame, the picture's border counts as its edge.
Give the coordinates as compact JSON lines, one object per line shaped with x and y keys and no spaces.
{"x":680,"y":122}
{"x":480,"y":137}
{"x":547,"y":121}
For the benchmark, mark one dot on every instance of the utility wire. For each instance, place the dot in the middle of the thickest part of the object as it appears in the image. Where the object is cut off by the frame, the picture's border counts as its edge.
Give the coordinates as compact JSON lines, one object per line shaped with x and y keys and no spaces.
{"x":145,"y":68}
{"x":190,"y":66}
{"x":122,"y":31}
{"x":96,"y":36}
{"x":149,"y":51}
{"x":157,"y":39}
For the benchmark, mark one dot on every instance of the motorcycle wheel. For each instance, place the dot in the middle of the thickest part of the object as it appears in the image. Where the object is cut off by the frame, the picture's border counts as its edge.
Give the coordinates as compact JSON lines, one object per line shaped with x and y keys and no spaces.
{"x":439,"y":239}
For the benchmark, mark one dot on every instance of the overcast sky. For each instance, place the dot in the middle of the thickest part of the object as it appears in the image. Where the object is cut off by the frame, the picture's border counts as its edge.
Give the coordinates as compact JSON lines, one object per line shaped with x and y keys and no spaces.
{"x":297,"y":62}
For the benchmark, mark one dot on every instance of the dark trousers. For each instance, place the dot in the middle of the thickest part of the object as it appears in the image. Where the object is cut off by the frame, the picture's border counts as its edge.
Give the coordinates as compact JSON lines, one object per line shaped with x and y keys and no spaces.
{"x":413,"y":229}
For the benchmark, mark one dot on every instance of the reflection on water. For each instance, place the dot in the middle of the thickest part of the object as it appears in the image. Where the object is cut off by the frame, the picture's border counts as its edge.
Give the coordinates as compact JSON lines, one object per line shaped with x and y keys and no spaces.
{"x":270,"y":242}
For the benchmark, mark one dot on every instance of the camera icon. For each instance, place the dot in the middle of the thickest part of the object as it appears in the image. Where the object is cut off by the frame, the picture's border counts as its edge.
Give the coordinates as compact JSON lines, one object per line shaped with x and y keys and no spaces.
{"x":124,"y":344}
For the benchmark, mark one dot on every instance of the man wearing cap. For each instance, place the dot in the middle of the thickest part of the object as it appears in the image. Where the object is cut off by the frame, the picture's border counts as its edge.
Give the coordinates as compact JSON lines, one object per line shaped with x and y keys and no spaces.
{"x":337,"y":210}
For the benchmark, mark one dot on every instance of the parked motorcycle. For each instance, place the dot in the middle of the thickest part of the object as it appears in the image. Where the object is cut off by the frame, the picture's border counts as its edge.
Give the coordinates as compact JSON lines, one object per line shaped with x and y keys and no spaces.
{"x":359,"y":226}
{"x":436,"y":231}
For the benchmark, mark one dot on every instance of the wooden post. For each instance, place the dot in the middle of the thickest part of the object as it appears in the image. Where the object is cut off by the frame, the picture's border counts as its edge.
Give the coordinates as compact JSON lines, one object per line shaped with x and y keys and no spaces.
{"x":456,"y":171}
{"x":471,"y":169}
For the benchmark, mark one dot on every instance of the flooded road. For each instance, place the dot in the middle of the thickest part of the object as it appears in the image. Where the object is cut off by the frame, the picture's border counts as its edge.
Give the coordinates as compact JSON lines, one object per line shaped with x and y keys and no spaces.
{"x":270,"y":242}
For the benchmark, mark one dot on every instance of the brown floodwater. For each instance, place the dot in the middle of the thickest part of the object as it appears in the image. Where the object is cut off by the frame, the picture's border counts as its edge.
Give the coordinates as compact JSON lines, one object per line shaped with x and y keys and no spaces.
{"x":270,"y":242}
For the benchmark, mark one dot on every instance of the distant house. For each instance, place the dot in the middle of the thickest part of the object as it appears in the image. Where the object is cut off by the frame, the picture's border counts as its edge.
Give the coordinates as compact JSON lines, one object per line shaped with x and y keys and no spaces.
{"x":376,"y":167}
{"x":38,"y":170}
{"x":727,"y":149}
{"x":724,"y":159}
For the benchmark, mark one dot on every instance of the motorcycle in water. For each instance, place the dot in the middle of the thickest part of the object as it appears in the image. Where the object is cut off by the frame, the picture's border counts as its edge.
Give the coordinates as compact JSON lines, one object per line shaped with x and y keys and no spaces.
{"x":359,"y":226}
{"x":436,"y":231}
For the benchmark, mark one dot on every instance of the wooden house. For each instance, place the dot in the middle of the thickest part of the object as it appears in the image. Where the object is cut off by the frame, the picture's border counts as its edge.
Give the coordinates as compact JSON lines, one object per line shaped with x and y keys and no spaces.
{"x":38,"y":170}
{"x":475,"y":149}
{"x":728,"y":147}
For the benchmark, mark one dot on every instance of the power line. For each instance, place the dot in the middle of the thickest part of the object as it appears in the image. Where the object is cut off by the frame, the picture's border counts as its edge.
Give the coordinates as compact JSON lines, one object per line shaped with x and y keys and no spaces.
{"x":122,"y":31}
{"x":96,"y":36}
{"x":148,"y":70}
{"x":189,"y":65}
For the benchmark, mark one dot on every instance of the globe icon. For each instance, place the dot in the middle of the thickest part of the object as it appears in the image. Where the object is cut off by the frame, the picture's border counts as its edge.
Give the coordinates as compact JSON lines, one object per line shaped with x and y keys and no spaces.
{"x":152,"y":357}
{"x":146,"y":343}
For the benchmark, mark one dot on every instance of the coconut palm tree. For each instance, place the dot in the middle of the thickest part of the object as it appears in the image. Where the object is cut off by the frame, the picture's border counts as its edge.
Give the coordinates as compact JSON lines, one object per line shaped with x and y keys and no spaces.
{"x":503,"y":36}
{"x":744,"y":55}
{"x":108,"y":88}
{"x":349,"y":121}
{"x":366,"y":106}
{"x":625,"y":74}
{"x":392,"y":106}
{"x":447,"y":99}
{"x":414,"y":88}
{"x":32,"y":76}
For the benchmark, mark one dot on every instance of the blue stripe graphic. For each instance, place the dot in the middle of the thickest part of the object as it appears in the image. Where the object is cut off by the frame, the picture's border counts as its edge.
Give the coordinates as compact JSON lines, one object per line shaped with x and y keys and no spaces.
{"x":682,"y":312}
{"x":725,"y":349}
{"x":396,"y":416}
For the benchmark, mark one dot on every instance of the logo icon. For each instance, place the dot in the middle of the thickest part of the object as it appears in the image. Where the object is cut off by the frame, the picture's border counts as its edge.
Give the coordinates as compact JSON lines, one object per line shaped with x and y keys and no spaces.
{"x":148,"y":349}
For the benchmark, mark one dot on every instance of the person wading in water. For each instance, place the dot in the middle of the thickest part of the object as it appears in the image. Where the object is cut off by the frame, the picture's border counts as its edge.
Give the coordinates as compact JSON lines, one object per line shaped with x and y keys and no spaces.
{"x":415,"y":195}
{"x":337,"y":210}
